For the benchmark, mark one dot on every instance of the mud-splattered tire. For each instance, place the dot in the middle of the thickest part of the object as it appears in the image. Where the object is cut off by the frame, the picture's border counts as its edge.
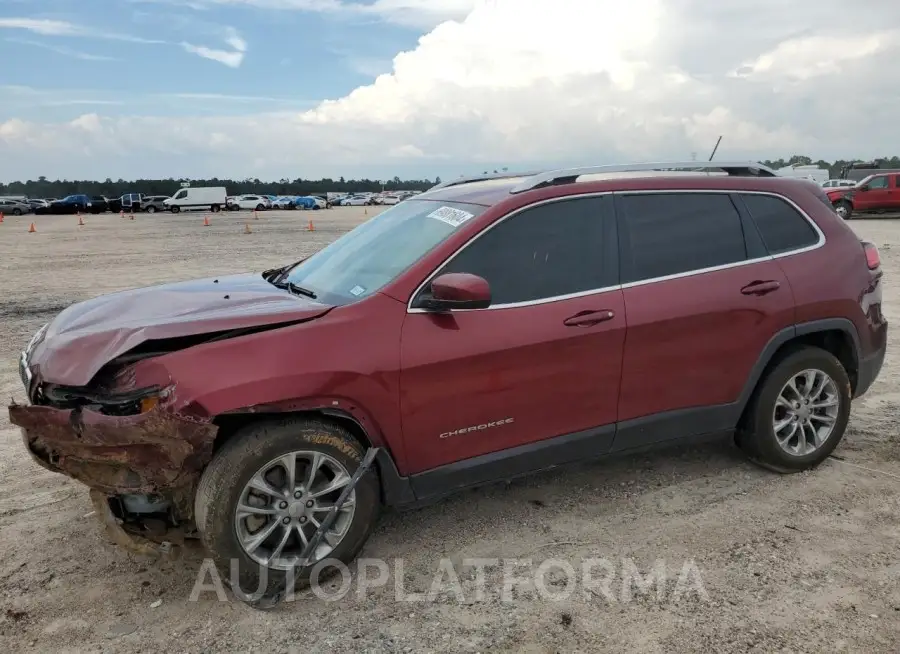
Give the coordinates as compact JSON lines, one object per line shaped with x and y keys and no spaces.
{"x":756,"y":435}
{"x":223,"y":483}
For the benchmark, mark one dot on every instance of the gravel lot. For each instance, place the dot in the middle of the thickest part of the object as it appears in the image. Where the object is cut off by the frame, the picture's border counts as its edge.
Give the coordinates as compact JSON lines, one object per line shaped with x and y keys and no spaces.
{"x":806,"y":563}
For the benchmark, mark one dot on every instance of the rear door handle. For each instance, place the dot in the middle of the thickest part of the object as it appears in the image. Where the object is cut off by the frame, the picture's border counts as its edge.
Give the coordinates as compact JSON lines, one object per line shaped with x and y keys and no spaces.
{"x":761,"y":288}
{"x":589,"y":318}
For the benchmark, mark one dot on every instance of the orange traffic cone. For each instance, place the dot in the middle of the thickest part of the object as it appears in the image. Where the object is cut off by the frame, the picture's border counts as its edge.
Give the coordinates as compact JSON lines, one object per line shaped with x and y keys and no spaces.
{"x":80,"y":221}
{"x":311,"y":227}
{"x":247,"y":228}
{"x":1,"y":216}
{"x":206,"y":221}
{"x":121,"y":213}
{"x":32,"y":229}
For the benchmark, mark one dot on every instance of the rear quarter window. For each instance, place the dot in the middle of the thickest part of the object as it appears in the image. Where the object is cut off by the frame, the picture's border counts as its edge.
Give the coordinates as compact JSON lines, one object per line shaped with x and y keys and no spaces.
{"x":781,"y":226}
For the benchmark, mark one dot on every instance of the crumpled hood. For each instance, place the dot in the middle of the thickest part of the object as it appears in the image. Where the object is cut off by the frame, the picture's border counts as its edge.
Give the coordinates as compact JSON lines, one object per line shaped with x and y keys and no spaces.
{"x":87,"y":335}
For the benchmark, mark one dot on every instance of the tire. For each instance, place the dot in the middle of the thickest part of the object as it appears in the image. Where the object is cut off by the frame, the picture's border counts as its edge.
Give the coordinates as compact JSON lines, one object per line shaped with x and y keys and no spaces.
{"x":253,"y":448}
{"x":316,"y":207}
{"x":150,"y":209}
{"x":175,"y":208}
{"x":17,"y":212}
{"x":260,"y":207}
{"x":757,"y":436}
{"x":844,"y":209}
{"x":215,"y":208}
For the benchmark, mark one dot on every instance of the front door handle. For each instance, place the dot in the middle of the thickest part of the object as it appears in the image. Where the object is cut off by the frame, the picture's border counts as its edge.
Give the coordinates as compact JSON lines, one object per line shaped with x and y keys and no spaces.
{"x":589,"y":318}
{"x":761,"y":288}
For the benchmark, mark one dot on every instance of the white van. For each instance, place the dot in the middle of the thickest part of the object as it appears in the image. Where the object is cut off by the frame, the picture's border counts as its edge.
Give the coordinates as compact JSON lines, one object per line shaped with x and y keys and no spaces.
{"x":198,"y":198}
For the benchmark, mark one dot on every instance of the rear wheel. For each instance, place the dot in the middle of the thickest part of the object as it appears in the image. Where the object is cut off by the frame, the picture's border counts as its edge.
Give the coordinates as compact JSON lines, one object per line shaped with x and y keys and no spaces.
{"x":16,"y":211}
{"x":150,"y":209}
{"x":267,"y":490}
{"x":215,"y":208}
{"x":799,"y":412}
{"x":844,"y":209}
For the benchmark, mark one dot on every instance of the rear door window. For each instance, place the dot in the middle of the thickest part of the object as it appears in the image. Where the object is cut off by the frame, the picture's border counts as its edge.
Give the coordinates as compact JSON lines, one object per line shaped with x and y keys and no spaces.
{"x":674,"y":233}
{"x":781,"y":226}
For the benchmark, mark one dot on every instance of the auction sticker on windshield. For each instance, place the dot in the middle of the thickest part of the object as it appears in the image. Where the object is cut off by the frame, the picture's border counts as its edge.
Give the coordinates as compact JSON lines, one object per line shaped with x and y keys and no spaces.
{"x":451,"y":216}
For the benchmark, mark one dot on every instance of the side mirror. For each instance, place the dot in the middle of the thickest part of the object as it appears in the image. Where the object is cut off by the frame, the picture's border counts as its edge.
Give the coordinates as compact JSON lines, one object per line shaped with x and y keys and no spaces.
{"x":458,"y":291}
{"x":864,"y":187}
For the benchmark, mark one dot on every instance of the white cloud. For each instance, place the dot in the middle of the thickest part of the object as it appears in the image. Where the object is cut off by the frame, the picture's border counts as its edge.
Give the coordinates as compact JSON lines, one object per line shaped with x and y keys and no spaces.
{"x":47,"y":27}
{"x":66,"y":52}
{"x":40,"y":26}
{"x":411,"y":13}
{"x":232,"y":58}
{"x":537,"y":82}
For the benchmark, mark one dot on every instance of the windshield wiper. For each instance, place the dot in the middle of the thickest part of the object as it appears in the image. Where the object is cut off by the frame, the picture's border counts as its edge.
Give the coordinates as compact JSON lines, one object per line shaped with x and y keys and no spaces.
{"x":296,"y":290}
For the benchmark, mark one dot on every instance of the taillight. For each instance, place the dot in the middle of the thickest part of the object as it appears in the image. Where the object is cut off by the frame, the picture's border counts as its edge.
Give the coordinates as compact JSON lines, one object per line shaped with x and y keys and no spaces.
{"x":872,"y":257}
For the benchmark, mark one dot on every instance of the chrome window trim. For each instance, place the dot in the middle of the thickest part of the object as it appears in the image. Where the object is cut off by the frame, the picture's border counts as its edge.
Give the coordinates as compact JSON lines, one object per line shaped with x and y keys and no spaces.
{"x":690,"y":273}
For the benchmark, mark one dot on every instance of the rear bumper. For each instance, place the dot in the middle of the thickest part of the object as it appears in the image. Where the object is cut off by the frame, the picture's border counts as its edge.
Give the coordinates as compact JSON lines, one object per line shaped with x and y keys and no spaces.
{"x":154,"y":452}
{"x":869,"y":369}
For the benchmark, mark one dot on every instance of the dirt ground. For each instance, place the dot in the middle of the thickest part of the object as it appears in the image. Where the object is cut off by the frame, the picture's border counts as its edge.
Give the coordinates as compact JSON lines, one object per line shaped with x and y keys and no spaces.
{"x":804,"y":563}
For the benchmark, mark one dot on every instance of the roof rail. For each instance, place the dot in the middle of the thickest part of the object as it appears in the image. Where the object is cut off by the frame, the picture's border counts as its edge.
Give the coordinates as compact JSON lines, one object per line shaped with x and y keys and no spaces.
{"x":570,"y":175}
{"x":480,"y":178}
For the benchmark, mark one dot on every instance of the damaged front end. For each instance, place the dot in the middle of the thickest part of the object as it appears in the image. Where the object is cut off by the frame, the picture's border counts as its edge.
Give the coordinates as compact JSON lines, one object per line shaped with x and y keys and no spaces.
{"x":141,"y":459}
{"x":104,"y":409}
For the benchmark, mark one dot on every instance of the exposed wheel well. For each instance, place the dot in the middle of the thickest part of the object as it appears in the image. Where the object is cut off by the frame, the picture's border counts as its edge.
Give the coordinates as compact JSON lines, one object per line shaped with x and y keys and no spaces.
{"x":836,"y":341}
{"x":229,"y":424}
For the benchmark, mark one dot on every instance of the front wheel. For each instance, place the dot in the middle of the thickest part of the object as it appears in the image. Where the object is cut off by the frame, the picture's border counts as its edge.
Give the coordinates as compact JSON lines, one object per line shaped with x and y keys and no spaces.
{"x":265,"y":493}
{"x":175,"y":209}
{"x":150,"y":209}
{"x":799,"y":412}
{"x":844,"y":209}
{"x":17,"y":212}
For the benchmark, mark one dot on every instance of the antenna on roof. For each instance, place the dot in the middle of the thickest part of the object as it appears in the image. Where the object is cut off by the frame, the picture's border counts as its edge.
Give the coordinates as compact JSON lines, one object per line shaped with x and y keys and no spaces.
{"x":715,"y":148}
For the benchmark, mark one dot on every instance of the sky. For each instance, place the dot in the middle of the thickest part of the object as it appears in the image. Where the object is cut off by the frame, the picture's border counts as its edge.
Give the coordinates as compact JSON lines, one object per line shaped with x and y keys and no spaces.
{"x":91,"y":89}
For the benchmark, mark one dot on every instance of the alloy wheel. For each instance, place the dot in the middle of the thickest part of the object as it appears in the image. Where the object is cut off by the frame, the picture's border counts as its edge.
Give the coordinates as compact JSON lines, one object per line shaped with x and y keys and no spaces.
{"x":285,"y":502}
{"x":805,"y":413}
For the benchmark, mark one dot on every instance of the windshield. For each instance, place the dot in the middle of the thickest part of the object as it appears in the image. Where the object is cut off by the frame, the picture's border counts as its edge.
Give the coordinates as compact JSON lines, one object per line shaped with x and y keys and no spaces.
{"x":372,"y":255}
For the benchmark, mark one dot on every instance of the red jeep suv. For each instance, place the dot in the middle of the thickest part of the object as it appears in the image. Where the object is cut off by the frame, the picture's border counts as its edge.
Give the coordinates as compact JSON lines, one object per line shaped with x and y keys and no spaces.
{"x":482,"y":330}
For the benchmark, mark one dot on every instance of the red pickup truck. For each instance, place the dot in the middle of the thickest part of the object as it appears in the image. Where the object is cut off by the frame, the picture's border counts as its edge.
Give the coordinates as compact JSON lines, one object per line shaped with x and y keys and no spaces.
{"x":876,"y":193}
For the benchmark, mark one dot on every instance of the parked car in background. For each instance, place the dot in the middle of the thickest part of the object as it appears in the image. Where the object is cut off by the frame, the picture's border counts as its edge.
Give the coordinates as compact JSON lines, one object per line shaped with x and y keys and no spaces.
{"x":130,"y":202}
{"x":356,"y":201}
{"x":305,"y":202}
{"x":197,"y":198}
{"x":14,"y":207}
{"x":837,"y":183}
{"x":252,"y":202}
{"x":99,"y":204}
{"x":154,"y":203}
{"x":878,"y":193}
{"x":68,"y":205}
{"x":283,"y":202}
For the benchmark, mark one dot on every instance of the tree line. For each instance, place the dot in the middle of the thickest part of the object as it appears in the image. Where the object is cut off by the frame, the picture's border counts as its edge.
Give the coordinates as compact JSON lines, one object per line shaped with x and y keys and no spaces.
{"x":46,"y":188}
